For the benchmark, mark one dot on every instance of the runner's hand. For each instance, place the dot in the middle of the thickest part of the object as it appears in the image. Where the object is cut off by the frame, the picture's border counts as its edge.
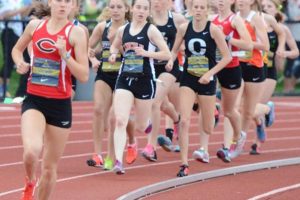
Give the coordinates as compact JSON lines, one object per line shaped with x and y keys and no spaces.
{"x":23,"y":67}
{"x":169,"y":65}
{"x":61,"y":45}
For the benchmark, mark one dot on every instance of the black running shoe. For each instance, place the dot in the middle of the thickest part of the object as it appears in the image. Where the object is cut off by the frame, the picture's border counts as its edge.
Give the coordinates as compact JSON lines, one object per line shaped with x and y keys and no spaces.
{"x":254,"y":150}
{"x":184,"y":171}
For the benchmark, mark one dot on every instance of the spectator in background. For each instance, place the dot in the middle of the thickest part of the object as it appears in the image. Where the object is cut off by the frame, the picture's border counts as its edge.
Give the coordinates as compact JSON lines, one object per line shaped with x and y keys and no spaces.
{"x":292,"y":69}
{"x":9,"y":10}
{"x":178,"y":6}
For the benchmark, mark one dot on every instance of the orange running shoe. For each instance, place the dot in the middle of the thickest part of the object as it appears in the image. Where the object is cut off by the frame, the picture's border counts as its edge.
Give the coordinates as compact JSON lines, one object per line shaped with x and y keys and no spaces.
{"x":96,"y":161}
{"x":28,"y":193}
{"x":132,"y":152}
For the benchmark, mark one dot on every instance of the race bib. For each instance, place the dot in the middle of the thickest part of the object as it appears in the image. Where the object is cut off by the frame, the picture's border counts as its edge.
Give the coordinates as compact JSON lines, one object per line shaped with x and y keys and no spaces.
{"x":45,"y":72}
{"x":245,"y":55}
{"x":270,"y":59}
{"x":133,"y":64}
{"x":106,"y":66}
{"x":198,"y":65}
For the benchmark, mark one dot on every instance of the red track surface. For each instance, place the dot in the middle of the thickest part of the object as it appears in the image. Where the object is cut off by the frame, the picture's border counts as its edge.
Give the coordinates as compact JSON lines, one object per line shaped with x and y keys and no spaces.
{"x":78,"y":181}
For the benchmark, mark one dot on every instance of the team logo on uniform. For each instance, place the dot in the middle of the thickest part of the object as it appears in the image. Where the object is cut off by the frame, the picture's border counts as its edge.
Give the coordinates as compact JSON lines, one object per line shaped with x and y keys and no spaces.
{"x":46,"y":45}
{"x":197,"y":46}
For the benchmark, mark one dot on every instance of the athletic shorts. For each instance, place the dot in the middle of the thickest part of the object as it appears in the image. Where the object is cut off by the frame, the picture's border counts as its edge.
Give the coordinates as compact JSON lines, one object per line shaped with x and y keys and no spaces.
{"x":252,"y":73}
{"x":270,"y":72}
{"x":109,"y":78}
{"x":188,"y":80}
{"x":57,"y":112}
{"x":159,"y":69}
{"x":230,"y":78}
{"x":143,"y":87}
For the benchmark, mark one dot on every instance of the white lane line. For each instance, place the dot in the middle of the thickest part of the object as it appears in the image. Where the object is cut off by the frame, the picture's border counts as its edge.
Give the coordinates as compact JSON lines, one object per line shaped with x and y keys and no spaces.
{"x":288,"y":104}
{"x":193,"y":125}
{"x":129,"y":168}
{"x":140,"y":149}
{"x":7,"y":108}
{"x":142,"y":137}
{"x":89,"y":121}
{"x":276,"y":191}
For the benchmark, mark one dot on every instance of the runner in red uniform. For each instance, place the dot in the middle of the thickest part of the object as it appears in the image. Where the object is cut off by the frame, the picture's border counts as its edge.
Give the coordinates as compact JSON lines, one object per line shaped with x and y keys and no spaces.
{"x":57,"y":52}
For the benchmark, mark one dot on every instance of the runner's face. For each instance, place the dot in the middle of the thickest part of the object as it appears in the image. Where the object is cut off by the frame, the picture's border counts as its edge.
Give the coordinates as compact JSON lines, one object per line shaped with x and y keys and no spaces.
{"x":61,"y":8}
{"x":269,"y":7}
{"x":141,"y":10}
{"x":199,"y":9}
{"x":160,"y":5}
{"x":117,"y":8}
{"x":244,"y":4}
{"x":223,"y":4}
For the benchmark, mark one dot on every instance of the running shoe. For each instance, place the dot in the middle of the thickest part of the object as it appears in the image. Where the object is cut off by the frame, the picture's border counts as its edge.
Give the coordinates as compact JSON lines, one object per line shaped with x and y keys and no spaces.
{"x":28,"y":193}
{"x":118,"y":168}
{"x":217,"y":114}
{"x":108,"y":163}
{"x":254,"y":150}
{"x":223,"y":154}
{"x":165,"y":143}
{"x":201,"y":155}
{"x":95,"y":161}
{"x":260,"y":133}
{"x":184,"y":171}
{"x":149,"y":128}
{"x":177,"y":148}
{"x":170,"y":133}
{"x":236,"y":148}
{"x":196,"y":107}
{"x":270,"y":117}
{"x":149,"y":153}
{"x":132,"y":152}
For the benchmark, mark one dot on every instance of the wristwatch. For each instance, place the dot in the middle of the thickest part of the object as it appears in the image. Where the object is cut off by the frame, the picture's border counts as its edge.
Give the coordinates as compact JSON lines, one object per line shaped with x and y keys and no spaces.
{"x":68,"y":55}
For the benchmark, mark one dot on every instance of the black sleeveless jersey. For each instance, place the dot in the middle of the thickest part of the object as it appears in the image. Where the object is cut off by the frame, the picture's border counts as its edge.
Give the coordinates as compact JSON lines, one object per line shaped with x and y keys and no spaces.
{"x":169,"y":31}
{"x":273,"y":39}
{"x":169,"y":34}
{"x":106,"y":67}
{"x":134,"y":65}
{"x":200,"y":50}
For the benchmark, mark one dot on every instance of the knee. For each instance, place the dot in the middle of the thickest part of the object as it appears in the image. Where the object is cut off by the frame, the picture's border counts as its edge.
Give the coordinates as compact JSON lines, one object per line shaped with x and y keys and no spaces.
{"x":184,"y":123}
{"x":229,"y":114}
{"x":248,"y":115}
{"x":141,"y":127}
{"x":31,"y":155}
{"x":208,"y":128}
{"x":99,"y":111}
{"x":121,"y":121}
{"x":49,"y":171}
{"x":164,"y":106}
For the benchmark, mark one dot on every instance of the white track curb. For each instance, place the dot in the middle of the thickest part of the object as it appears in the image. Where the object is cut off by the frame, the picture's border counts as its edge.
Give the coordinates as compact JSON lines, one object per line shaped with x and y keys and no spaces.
{"x":173,"y":183}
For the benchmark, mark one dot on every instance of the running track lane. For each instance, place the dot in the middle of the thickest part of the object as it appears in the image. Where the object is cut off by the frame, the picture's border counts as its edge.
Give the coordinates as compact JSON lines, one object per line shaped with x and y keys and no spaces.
{"x":77,"y":181}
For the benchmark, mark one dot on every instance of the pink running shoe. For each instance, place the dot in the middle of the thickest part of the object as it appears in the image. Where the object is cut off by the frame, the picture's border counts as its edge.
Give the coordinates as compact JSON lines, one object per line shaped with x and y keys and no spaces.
{"x":149,"y":153}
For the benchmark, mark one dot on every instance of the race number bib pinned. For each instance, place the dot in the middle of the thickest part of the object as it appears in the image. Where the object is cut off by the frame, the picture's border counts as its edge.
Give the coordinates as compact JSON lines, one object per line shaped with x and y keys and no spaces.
{"x":245,"y":55}
{"x":198,"y":65}
{"x":106,"y":66}
{"x":45,"y":72}
{"x":133,"y":64}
